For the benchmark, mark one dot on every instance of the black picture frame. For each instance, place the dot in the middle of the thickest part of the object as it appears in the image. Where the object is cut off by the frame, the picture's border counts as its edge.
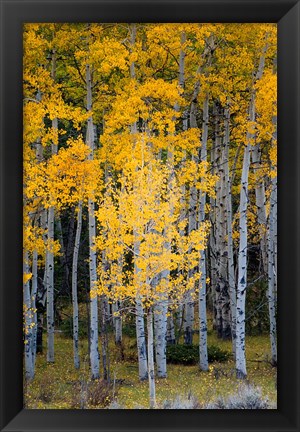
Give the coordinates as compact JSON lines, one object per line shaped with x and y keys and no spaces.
{"x":13,"y":14}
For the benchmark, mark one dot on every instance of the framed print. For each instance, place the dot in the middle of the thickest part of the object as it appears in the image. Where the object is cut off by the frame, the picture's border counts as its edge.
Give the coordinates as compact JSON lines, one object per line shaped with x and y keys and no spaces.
{"x":148,"y":163}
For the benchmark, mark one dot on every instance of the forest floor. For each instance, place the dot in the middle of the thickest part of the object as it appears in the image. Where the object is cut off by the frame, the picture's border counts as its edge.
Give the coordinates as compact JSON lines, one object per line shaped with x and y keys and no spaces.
{"x":59,"y":385}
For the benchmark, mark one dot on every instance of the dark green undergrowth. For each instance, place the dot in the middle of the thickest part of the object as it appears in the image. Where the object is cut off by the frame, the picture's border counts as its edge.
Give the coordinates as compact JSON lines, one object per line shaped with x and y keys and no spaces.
{"x":189,"y":354}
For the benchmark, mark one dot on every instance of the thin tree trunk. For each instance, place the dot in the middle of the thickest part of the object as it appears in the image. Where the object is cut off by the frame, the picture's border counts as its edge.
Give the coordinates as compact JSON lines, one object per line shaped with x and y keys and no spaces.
{"x":183,"y":201}
{"x":160,"y":319}
{"x":271,"y":271}
{"x":231,"y":271}
{"x":220,"y":281}
{"x":222,"y":294}
{"x":188,"y":322}
{"x":104,"y":339}
{"x":212,"y":243}
{"x":203,"y":356}
{"x":241,"y":370}
{"x":260,"y":197}
{"x":272,"y":257}
{"x":151,"y":372}
{"x":117,"y":322}
{"x":63,"y":255}
{"x":171,"y":340}
{"x":94,"y":353}
{"x":33,"y":304}
{"x":74,"y":287}
{"x":50,"y":286}
{"x":29,"y":368}
{"x":39,"y":314}
{"x":140,"y":325}
{"x":49,"y":253}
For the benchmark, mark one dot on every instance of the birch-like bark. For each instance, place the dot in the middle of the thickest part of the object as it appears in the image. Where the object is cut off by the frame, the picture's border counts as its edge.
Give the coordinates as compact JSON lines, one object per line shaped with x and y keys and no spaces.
{"x":34,"y":291}
{"x":90,"y":140}
{"x":260,"y":198}
{"x":272,"y":271}
{"x":74,"y":287}
{"x":228,"y":200}
{"x":140,"y":325}
{"x":37,"y":294}
{"x":116,"y":307}
{"x":50,"y":286}
{"x":151,"y":372}
{"x":117,"y":322}
{"x":241,"y":370}
{"x":260,"y":195}
{"x":33,"y":304}
{"x":272,"y":257}
{"x":221,"y":290}
{"x":104,"y":337}
{"x":104,"y":304}
{"x":203,"y":356}
{"x":29,"y":368}
{"x":188,"y":322}
{"x":183,"y":203}
{"x":160,"y":319}
{"x":49,"y":253}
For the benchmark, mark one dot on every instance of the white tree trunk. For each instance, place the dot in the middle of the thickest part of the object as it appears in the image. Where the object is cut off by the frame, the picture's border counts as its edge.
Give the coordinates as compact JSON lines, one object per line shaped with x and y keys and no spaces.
{"x":243,"y":245}
{"x":222,"y":286}
{"x":241,"y":370}
{"x":140,"y":325}
{"x":50,"y":287}
{"x":49,"y":254}
{"x":260,"y":197}
{"x":188,"y":322}
{"x":74,"y":287}
{"x":29,"y":368}
{"x":203,"y":356}
{"x":272,"y":271}
{"x":90,"y":140}
{"x":94,"y":353}
{"x":272,"y":258}
{"x":117,"y":321}
{"x":33,"y":304}
{"x":104,"y":337}
{"x":231,"y":270}
{"x":212,"y":243}
{"x":151,"y":372}
{"x":160,"y":318}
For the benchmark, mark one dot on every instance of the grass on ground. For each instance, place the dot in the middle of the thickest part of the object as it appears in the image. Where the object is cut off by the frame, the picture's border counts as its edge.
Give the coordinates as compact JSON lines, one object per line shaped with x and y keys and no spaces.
{"x":59,"y":385}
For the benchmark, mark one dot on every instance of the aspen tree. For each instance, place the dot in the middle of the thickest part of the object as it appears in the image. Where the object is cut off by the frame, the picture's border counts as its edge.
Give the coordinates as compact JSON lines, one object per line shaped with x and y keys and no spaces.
{"x":203,"y":355}
{"x":140,"y":325}
{"x":90,"y":140}
{"x":74,"y":286}
{"x":243,"y":243}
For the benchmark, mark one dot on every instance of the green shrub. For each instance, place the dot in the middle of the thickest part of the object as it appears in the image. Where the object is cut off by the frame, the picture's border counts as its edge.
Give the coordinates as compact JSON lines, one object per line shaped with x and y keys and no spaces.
{"x":129,"y":330}
{"x":189,"y":354}
{"x":216,"y":354}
